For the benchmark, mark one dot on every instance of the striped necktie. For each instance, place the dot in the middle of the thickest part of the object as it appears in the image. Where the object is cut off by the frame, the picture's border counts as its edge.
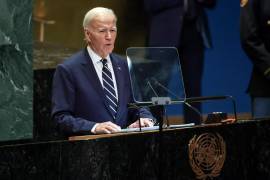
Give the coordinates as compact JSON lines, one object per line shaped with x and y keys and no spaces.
{"x":108,"y":88}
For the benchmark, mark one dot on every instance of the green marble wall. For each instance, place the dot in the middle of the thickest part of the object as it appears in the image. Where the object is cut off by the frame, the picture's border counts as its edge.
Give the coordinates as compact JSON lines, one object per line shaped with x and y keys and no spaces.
{"x":16,"y":84}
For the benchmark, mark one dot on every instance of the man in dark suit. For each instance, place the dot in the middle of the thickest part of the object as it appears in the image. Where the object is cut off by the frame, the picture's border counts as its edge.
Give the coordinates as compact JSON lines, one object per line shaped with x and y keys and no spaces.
{"x":91,"y":90}
{"x":255,"y":39}
{"x":182,"y":24}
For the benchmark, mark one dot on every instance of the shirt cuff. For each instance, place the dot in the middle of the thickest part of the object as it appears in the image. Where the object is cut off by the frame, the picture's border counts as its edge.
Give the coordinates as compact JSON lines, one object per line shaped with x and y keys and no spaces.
{"x":93,"y":130}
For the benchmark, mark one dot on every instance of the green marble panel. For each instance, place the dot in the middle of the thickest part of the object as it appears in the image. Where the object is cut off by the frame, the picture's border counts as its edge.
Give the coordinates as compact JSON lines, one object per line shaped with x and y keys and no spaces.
{"x":16,"y":84}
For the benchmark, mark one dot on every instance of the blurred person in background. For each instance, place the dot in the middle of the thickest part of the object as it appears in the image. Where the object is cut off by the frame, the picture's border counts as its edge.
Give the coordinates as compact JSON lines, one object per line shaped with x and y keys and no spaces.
{"x":182,"y":24}
{"x":255,"y":40}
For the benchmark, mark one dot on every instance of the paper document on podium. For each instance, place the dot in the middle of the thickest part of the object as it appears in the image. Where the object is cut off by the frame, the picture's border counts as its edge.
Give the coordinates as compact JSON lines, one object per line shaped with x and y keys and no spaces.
{"x":154,"y":128}
{"x":182,"y":125}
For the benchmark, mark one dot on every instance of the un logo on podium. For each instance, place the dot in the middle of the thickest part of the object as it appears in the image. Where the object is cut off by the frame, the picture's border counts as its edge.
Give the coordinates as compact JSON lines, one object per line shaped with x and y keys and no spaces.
{"x":207,"y":154}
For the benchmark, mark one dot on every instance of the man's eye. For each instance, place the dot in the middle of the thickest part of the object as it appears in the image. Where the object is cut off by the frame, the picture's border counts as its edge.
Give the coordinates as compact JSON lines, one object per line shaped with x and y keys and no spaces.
{"x":102,"y":31}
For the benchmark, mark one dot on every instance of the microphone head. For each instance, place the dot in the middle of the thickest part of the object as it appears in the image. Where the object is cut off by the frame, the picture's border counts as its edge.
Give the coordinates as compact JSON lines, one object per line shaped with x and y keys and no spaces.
{"x":215,"y":117}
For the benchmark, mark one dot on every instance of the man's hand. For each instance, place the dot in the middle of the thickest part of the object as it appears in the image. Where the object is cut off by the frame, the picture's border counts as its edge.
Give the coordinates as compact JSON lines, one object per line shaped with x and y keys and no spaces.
{"x":145,"y":122}
{"x":106,"y":128}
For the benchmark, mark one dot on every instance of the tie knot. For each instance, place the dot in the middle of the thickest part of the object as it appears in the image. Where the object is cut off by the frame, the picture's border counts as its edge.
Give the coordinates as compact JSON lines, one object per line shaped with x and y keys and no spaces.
{"x":104,"y":62}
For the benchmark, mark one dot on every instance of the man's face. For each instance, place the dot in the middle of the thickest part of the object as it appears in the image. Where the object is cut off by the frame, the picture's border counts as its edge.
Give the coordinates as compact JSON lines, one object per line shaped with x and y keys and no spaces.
{"x":101,"y":34}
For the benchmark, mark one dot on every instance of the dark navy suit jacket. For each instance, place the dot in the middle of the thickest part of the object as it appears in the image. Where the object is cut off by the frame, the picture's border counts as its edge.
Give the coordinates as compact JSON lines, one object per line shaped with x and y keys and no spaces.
{"x":255,"y":40}
{"x":167,"y":19}
{"x":78,"y":101}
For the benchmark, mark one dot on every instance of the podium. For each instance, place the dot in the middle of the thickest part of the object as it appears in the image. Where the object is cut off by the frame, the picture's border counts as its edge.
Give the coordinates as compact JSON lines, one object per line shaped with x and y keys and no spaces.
{"x":136,"y":155}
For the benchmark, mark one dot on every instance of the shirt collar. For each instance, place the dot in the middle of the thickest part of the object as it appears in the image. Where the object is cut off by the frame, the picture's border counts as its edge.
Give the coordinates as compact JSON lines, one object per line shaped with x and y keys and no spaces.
{"x":95,"y":57}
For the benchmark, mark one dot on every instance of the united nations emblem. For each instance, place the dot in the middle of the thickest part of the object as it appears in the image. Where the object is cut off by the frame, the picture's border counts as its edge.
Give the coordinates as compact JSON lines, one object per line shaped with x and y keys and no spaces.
{"x":207,"y":154}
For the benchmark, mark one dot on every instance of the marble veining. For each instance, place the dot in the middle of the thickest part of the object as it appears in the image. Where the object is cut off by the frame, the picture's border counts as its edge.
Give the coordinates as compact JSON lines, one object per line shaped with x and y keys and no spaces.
{"x":16,"y":94}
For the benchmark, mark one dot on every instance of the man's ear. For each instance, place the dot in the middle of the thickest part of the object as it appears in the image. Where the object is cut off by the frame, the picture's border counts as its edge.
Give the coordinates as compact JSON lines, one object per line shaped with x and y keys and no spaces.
{"x":87,"y":33}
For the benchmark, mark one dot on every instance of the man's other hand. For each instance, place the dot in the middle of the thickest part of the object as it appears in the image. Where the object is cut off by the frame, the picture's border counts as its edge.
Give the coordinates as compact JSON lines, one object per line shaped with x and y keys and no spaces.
{"x":145,"y":122}
{"x":106,"y":128}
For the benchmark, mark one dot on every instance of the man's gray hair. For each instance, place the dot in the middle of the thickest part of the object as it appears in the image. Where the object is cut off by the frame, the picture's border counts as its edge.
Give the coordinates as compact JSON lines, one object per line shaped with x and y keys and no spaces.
{"x":92,"y":13}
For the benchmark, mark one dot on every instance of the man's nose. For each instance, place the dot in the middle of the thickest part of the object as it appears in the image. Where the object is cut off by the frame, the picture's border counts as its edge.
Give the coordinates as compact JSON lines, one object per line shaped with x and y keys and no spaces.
{"x":108,"y":35}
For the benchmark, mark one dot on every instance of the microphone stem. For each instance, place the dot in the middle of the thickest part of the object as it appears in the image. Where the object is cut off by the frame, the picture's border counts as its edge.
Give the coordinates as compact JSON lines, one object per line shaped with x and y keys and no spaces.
{"x":194,"y":109}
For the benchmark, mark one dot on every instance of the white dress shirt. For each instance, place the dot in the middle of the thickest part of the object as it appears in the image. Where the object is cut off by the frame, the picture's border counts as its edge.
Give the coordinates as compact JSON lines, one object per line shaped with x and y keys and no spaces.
{"x":96,"y":59}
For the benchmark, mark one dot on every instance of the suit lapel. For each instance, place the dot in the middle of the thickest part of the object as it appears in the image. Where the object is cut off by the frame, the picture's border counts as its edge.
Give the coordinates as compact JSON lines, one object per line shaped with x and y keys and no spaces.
{"x":91,"y":74}
{"x":90,"y":71}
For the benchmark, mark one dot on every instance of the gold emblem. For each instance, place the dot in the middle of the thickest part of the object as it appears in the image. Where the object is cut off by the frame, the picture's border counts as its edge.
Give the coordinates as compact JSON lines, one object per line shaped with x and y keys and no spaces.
{"x":243,"y":2}
{"x":207,"y":154}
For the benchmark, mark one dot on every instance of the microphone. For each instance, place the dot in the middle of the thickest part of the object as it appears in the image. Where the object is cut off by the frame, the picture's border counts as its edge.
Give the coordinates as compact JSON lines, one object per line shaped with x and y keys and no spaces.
{"x":187,"y":101}
{"x":164,"y":88}
{"x":209,"y":98}
{"x":172,"y":93}
{"x":204,"y":98}
{"x":151,"y":87}
{"x":133,"y":105}
{"x":167,"y":100}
